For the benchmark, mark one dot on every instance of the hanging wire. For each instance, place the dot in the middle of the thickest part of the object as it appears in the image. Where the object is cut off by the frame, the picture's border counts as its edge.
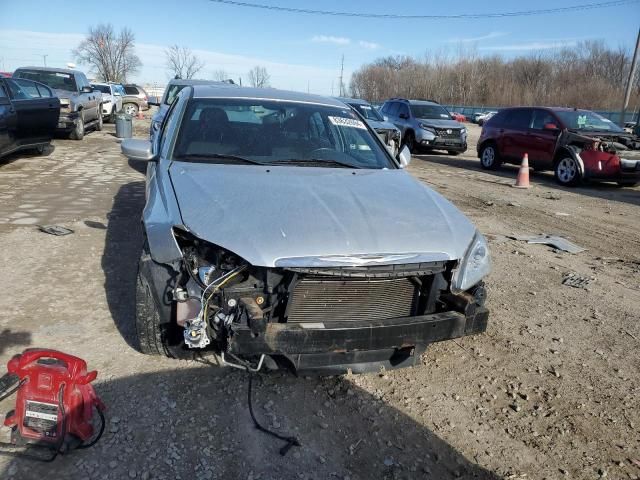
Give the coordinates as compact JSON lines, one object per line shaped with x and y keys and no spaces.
{"x":393,"y":16}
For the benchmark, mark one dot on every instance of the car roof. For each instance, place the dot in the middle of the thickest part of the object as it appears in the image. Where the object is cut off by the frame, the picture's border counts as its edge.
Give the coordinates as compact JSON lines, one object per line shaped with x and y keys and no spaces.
{"x":352,"y":101}
{"x":191,"y":81}
{"x":422,"y":102}
{"x":50,"y":69}
{"x":229,"y":91}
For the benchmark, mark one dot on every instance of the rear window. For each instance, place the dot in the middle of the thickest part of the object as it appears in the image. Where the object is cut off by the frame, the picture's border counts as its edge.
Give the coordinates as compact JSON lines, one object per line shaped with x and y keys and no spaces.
{"x":55,"y":80}
{"x":131,"y":90}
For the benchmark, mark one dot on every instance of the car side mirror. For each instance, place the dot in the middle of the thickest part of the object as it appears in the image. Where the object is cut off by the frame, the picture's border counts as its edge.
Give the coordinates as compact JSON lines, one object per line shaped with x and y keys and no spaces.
{"x":87,"y":89}
{"x":137,"y":149}
{"x":404,"y":157}
{"x":403,"y":116}
{"x":385,"y":118}
{"x":551,"y":127}
{"x":117,"y":94}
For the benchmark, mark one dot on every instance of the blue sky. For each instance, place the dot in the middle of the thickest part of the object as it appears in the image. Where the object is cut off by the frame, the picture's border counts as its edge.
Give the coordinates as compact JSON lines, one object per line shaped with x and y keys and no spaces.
{"x":299,"y":51}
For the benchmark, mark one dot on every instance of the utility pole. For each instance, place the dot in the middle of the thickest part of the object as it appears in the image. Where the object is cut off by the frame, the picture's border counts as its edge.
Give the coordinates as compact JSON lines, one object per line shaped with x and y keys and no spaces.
{"x":44,"y":59}
{"x":630,"y":81}
{"x":341,"y":75}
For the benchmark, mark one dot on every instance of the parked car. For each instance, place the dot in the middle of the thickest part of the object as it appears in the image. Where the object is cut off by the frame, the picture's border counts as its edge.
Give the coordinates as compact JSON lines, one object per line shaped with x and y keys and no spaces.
{"x":485,"y":116}
{"x":5,"y":74}
{"x":458,"y":117}
{"x":135,"y":99}
{"x":112,"y":94}
{"x":28,"y":116}
{"x":426,"y":125}
{"x":174,"y":87}
{"x":279,"y":228}
{"x":575,"y":144}
{"x":387,"y":131}
{"x":80,"y":105}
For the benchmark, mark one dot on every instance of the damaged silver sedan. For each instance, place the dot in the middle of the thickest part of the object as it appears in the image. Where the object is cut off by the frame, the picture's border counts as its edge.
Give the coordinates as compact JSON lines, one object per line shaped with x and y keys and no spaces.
{"x":280,"y":231}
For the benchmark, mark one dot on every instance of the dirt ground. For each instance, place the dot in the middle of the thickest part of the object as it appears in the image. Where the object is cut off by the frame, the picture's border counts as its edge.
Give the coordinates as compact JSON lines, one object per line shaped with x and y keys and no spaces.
{"x":551,"y":390}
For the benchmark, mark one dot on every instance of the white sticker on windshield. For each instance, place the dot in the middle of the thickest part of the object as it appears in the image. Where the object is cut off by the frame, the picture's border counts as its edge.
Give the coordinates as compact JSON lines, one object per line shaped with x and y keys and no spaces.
{"x":347,"y":122}
{"x":444,"y":115}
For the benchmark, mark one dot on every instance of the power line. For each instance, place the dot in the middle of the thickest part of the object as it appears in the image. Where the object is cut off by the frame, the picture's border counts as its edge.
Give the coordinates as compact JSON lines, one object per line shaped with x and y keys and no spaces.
{"x":393,"y":16}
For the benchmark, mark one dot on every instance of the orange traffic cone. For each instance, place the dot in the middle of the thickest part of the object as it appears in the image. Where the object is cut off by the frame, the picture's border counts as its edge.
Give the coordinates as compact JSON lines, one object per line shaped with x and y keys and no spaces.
{"x":522,"y":181}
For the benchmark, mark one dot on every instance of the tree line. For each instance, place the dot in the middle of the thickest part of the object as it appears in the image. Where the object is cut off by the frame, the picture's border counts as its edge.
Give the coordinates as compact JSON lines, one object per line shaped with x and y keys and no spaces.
{"x":589,"y":75}
{"x":112,"y":57}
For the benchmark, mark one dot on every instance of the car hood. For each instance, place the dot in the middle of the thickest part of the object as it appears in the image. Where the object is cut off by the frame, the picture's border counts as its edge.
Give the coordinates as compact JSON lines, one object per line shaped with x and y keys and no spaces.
{"x":435,"y":122}
{"x":377,"y":125}
{"x":314,"y":216}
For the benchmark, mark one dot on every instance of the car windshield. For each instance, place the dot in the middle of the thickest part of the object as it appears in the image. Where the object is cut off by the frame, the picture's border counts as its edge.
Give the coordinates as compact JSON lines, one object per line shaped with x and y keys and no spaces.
{"x":368,"y":112}
{"x":586,"y":120}
{"x":102,"y":88}
{"x":430,"y":112}
{"x":267,"y":132}
{"x":172,"y":93}
{"x":55,"y":80}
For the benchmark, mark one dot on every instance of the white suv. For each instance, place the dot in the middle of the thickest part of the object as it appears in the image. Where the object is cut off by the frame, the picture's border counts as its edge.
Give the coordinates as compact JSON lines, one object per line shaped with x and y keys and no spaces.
{"x":112,"y":94}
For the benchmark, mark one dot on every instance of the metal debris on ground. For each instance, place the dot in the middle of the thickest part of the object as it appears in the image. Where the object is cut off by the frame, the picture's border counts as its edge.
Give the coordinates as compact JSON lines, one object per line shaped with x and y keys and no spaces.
{"x":557,"y":242}
{"x":572,"y":279}
{"x":55,"y":230}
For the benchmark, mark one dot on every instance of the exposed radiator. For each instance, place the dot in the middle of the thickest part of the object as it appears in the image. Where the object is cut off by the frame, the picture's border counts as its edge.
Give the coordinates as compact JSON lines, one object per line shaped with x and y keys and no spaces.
{"x":324,"y":300}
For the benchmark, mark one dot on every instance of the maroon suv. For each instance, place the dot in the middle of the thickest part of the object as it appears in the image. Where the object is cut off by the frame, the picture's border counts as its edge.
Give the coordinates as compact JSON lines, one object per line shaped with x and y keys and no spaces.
{"x":575,"y":144}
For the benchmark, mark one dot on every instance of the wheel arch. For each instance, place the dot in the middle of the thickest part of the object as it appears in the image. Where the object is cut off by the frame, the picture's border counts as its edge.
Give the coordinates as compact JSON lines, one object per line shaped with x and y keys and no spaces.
{"x":569,"y":151}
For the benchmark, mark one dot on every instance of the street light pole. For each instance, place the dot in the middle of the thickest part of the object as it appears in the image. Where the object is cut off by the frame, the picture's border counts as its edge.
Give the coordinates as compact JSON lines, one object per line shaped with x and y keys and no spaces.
{"x":630,"y":81}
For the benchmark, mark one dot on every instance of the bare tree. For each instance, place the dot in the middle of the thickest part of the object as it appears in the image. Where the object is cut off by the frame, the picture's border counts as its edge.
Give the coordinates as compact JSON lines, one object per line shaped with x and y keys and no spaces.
{"x":220,"y":76}
{"x":588,"y":75}
{"x":111,"y":56}
{"x":182,"y":62}
{"x":259,"y":77}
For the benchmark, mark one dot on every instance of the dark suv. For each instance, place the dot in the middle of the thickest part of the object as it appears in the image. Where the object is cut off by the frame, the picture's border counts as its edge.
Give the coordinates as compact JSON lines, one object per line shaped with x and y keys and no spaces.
{"x":426,"y":124}
{"x":575,"y":144}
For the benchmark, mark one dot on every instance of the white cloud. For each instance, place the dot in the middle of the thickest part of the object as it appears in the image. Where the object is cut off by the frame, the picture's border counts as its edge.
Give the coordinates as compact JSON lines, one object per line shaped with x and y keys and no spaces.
{"x":532,"y":46}
{"x":20,"y":48}
{"x":368,"y":45}
{"x":331,"y":39}
{"x":480,"y":38}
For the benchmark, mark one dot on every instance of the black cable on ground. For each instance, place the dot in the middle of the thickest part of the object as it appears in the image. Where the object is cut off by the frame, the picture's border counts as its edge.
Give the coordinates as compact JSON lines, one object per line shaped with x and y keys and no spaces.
{"x":291,"y":441}
{"x":95,"y":440}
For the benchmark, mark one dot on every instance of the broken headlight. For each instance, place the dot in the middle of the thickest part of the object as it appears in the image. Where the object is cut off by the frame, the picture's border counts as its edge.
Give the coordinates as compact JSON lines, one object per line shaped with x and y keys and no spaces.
{"x":475,"y":265}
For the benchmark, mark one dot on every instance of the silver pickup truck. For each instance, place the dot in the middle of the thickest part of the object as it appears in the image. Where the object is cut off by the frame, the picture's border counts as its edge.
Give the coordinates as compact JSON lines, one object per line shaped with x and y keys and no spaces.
{"x":80,"y":104}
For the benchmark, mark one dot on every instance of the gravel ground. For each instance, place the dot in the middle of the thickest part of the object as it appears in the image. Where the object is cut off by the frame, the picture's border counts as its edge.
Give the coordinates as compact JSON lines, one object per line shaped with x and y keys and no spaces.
{"x":551,"y":390}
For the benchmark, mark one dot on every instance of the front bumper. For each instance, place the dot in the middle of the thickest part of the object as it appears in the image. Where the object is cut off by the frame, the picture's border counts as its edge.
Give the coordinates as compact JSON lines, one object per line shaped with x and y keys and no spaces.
{"x":67,"y":121}
{"x":345,"y":344}
{"x":427,"y":139}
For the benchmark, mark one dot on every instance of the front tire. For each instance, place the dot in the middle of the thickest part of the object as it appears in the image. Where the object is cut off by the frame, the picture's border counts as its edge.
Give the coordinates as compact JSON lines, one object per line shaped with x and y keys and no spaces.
{"x":156,"y":330}
{"x":489,"y":158}
{"x":100,"y":120}
{"x":410,"y":141}
{"x":78,"y":129}
{"x":567,"y":172}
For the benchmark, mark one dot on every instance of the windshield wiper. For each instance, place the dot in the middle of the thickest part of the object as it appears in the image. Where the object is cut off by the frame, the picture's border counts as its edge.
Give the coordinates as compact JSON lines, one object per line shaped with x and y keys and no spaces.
{"x":314,"y":162}
{"x":218,"y":156}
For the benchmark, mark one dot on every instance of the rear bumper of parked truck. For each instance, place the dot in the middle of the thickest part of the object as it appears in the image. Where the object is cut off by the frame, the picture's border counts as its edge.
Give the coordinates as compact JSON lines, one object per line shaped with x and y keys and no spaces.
{"x":334,"y":347}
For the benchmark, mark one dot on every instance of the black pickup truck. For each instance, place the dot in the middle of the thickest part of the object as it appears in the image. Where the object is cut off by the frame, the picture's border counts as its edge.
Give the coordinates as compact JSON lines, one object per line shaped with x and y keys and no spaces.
{"x":80,"y":104}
